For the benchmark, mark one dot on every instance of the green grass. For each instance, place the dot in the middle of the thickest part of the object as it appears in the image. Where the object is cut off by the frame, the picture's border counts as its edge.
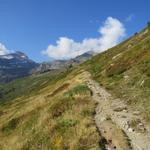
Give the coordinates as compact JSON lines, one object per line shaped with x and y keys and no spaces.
{"x":32,"y":120}
{"x":80,"y":89}
{"x":56,"y":116}
{"x":29,"y":86}
{"x":125,"y":71}
{"x":64,"y":124}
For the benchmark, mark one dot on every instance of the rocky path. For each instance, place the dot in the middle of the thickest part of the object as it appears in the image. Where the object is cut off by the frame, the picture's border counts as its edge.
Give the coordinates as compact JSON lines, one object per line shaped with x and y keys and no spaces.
{"x":113,"y":119}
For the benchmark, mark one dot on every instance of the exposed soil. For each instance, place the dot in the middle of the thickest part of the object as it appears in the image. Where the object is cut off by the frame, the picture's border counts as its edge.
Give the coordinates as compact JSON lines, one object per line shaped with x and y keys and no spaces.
{"x":116,"y":121}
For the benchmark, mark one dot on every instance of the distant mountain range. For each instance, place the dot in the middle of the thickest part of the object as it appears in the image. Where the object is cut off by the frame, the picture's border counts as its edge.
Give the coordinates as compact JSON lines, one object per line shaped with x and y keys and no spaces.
{"x":64,"y":64}
{"x":17,"y":65}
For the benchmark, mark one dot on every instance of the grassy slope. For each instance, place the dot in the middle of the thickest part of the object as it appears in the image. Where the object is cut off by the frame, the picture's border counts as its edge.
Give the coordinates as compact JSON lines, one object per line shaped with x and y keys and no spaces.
{"x":29,"y":85}
{"x":125,"y":71}
{"x":59,"y":116}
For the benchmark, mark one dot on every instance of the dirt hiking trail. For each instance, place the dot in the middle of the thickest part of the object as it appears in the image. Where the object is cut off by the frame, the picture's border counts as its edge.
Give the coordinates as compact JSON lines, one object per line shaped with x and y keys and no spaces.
{"x":113,"y":119}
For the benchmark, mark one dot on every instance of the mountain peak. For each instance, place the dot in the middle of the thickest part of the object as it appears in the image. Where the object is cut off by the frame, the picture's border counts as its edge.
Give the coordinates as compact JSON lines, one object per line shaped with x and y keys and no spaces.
{"x":14,"y":55}
{"x":19,"y":55}
{"x":15,"y":65}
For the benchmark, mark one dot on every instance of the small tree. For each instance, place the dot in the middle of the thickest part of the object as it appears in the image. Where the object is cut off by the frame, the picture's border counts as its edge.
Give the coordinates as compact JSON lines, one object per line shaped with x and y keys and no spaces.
{"x":148,"y":24}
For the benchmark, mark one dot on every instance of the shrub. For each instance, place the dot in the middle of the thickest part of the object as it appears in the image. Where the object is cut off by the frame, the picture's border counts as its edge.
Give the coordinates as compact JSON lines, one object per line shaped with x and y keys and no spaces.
{"x":148,"y":24}
{"x":135,"y":33}
{"x":88,"y":112}
{"x":78,"y":90}
{"x":11,"y":125}
{"x":147,"y":82}
{"x":65,"y":124}
{"x":59,"y":107}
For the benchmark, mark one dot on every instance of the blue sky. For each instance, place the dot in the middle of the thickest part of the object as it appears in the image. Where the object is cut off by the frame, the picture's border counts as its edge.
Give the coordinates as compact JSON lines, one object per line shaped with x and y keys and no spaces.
{"x":32,"y":25}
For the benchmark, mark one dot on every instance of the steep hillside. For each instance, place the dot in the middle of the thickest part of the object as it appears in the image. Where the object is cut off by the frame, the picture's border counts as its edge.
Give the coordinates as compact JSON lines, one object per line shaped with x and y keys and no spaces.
{"x":57,"y":110}
{"x":51,"y":112}
{"x":125,"y":71}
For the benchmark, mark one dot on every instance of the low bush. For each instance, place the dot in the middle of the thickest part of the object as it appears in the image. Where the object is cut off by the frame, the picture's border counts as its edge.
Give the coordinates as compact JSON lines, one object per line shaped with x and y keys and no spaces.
{"x":64,"y":124}
{"x":78,"y":90}
{"x":10,"y":126}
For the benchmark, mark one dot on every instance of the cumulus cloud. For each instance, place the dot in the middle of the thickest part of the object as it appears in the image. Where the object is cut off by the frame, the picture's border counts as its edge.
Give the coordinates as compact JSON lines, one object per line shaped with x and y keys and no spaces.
{"x":111,"y":33}
{"x":3,"y":49}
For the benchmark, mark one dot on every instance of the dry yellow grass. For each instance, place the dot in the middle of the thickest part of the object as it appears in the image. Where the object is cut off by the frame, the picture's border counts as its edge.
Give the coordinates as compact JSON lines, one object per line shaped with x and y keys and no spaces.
{"x":59,"y":117}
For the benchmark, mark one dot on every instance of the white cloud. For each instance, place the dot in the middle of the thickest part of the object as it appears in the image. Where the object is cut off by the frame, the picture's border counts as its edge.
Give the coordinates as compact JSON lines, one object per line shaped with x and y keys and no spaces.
{"x":110,"y":34}
{"x":3,"y":49}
